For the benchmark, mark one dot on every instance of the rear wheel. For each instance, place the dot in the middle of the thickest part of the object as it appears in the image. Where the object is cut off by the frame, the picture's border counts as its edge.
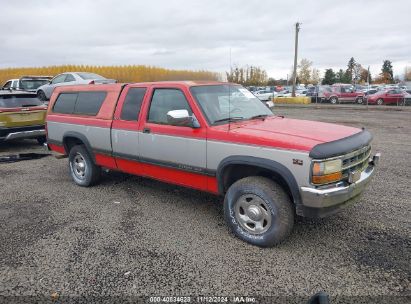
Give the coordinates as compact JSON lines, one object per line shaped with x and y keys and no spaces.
{"x":380,"y":101}
{"x":41,"y":95}
{"x":360,"y":100}
{"x":82,"y":168}
{"x":259,"y":211}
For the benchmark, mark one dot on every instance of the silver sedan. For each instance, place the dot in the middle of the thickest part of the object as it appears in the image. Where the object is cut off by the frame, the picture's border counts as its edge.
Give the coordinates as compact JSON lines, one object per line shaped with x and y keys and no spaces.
{"x":44,"y":92}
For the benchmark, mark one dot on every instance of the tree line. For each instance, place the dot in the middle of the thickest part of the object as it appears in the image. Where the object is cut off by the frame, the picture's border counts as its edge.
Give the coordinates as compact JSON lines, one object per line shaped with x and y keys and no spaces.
{"x":128,"y":73}
{"x":356,"y":73}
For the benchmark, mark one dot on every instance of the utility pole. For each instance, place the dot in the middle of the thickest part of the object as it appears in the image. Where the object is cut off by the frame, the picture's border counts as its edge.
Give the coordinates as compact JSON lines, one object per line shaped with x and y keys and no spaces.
{"x":297,"y":29}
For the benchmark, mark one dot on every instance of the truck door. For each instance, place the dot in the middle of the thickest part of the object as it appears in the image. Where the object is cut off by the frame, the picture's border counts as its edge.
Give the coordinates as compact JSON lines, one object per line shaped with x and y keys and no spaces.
{"x":168,"y":151}
{"x":346,"y":94}
{"x":125,"y":132}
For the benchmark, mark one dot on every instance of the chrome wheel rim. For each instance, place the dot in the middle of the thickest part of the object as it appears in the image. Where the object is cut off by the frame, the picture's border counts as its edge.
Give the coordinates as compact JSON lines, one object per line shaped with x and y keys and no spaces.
{"x":253,"y":214}
{"x":380,"y":101}
{"x":79,"y":166}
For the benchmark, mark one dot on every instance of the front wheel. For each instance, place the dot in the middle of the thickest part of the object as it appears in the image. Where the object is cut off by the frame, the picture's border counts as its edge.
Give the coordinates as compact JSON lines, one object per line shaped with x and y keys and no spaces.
{"x":360,"y":100}
{"x":380,"y":101}
{"x":82,"y":168}
{"x":259,"y":211}
{"x":333,"y":100}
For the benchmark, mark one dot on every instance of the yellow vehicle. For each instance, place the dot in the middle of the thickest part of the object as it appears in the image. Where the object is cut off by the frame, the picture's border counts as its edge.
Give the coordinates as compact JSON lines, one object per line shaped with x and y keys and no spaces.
{"x":22,"y":115}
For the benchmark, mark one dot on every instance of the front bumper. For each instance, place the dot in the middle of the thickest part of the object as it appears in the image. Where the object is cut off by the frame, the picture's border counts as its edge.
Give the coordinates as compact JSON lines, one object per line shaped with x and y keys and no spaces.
{"x":321,"y":202}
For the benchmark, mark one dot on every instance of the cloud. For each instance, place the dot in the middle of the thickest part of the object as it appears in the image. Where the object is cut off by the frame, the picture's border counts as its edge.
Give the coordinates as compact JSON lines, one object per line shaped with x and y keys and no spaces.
{"x":199,"y":34}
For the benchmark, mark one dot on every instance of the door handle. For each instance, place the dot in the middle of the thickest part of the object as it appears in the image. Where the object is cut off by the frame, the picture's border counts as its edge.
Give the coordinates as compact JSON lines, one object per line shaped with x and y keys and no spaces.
{"x":146,"y":130}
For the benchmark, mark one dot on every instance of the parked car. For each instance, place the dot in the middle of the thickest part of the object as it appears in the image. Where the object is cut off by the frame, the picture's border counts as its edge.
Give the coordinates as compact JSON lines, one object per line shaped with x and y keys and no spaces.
{"x":10,"y":84}
{"x":44,"y":92}
{"x":390,"y":96}
{"x":288,"y":93}
{"x":370,"y":92}
{"x":22,"y":115}
{"x":343,"y":93}
{"x":26,"y":83}
{"x":316,"y":93}
{"x":407,"y":98}
{"x":266,"y":96}
{"x":214,"y":137}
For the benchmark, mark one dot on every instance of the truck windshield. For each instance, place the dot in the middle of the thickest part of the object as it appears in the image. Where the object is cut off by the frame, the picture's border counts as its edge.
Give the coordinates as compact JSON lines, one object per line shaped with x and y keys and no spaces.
{"x":221,"y":103}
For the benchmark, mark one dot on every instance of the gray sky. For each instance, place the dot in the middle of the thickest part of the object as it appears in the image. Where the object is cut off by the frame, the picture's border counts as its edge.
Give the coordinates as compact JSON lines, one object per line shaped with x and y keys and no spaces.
{"x":194,"y":34}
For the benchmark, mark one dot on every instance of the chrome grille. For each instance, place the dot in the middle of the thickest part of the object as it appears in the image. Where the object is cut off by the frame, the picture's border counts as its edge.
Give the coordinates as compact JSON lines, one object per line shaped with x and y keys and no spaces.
{"x":354,"y":161}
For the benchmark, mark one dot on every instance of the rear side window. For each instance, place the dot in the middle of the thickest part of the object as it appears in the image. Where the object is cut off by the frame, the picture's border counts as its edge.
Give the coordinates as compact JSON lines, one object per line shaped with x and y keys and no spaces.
{"x":132,"y":104}
{"x":89,"y":103}
{"x":19,"y":100}
{"x":65,"y":103}
{"x":85,"y":103}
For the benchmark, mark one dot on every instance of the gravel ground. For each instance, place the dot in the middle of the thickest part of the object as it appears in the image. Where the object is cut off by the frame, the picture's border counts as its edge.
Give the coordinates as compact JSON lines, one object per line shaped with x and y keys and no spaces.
{"x":133,"y":237}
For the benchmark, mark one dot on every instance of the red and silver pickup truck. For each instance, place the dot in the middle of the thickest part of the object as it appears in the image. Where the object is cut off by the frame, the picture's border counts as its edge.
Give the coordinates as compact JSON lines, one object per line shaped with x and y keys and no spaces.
{"x":215,"y":137}
{"x":340,"y":93}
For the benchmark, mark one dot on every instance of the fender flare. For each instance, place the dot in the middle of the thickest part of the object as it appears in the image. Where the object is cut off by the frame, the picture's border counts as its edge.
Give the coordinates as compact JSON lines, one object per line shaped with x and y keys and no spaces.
{"x":81,"y":137}
{"x":267,"y":164}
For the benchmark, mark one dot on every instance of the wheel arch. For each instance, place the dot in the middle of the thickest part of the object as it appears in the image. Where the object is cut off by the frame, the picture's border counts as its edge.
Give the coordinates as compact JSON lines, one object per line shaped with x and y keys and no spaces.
{"x":234,"y":168}
{"x":333,"y":96}
{"x":73,"y":138}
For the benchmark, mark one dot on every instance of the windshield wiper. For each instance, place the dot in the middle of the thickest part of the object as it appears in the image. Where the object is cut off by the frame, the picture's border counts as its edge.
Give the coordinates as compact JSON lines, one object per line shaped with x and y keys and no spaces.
{"x":263,"y":116}
{"x":234,"y":118}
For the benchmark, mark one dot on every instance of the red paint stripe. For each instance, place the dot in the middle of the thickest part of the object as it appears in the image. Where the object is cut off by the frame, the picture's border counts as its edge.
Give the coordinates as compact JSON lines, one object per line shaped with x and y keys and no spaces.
{"x":174,"y":176}
{"x":169,"y":175}
{"x":80,"y":120}
{"x":57,"y":148}
{"x":105,"y":161}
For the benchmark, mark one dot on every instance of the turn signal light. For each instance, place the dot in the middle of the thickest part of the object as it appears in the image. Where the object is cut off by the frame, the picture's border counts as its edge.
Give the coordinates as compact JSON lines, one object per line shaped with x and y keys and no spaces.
{"x":326,"y":179}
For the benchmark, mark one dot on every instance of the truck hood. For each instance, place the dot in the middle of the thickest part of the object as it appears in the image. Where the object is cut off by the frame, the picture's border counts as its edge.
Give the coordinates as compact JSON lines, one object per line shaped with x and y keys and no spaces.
{"x":285,"y":133}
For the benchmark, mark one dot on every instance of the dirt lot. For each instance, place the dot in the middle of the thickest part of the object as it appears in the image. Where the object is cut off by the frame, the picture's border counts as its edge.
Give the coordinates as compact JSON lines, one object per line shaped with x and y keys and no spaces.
{"x":131,"y":236}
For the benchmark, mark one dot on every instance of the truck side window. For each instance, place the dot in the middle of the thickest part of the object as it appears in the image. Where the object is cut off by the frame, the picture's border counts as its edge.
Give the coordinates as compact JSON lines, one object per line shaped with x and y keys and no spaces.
{"x":165,"y":100}
{"x":132,"y":104}
{"x":65,"y":103}
{"x":7,"y":85}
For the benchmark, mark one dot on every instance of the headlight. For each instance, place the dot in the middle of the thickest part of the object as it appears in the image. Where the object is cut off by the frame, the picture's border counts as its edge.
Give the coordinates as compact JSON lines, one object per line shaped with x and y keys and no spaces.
{"x":327,"y":171}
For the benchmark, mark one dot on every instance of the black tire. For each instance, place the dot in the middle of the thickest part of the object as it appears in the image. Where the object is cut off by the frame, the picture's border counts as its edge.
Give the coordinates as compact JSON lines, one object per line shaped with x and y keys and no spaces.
{"x":360,"y":100}
{"x":42,"y":140}
{"x":273,"y":196}
{"x":41,"y":96}
{"x":91,"y":174}
{"x":334,"y":100}
{"x":380,"y":101}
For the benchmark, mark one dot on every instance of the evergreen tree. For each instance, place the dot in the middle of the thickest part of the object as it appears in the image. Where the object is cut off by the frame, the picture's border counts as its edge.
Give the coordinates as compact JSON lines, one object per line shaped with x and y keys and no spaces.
{"x":387,"y":72}
{"x":329,"y":77}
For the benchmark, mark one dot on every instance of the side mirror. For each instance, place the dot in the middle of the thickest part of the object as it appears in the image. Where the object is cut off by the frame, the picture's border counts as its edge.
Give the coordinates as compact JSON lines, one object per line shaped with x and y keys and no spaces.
{"x":182,"y":118}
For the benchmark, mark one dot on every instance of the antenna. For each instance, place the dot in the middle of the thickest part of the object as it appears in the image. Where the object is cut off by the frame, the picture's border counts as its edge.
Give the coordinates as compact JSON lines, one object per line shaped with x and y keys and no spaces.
{"x":229,"y":96}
